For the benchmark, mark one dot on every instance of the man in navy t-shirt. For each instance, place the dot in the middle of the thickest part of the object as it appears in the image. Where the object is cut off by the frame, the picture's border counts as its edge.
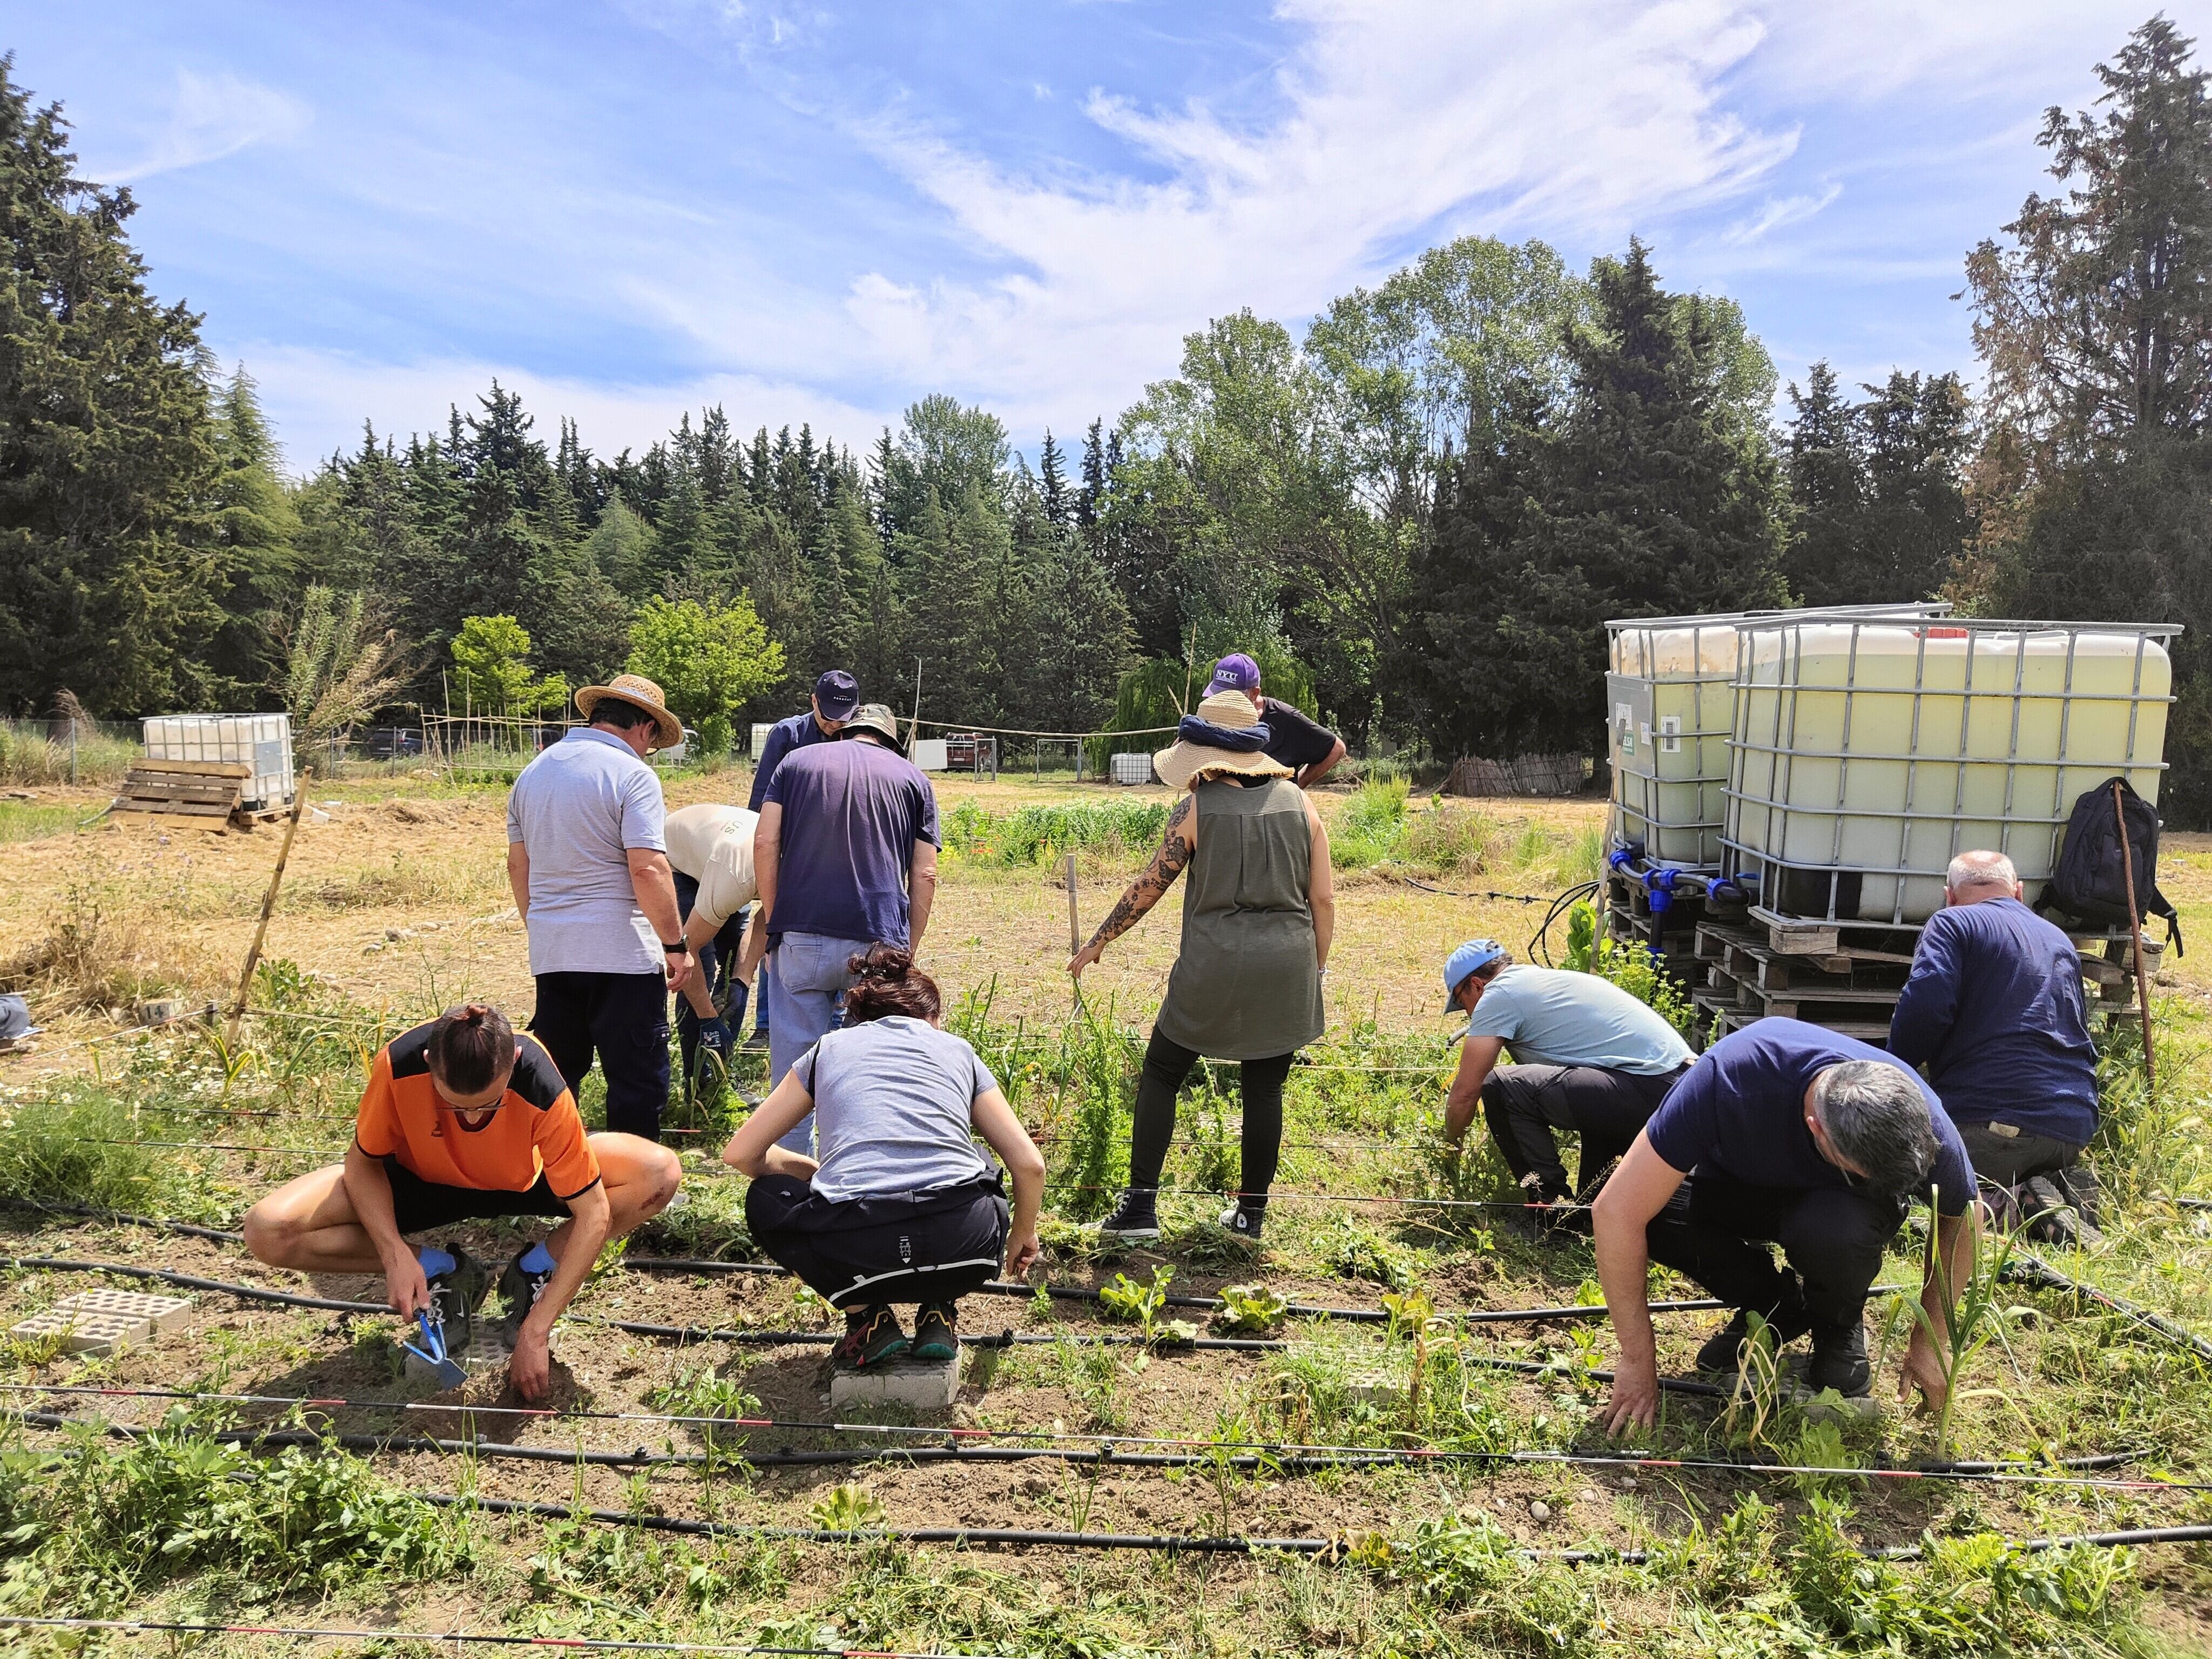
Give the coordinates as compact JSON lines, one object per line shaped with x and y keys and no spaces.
{"x":1782,"y":1134}
{"x":845,"y":856}
{"x":836,"y":694}
{"x":1994,"y":1010}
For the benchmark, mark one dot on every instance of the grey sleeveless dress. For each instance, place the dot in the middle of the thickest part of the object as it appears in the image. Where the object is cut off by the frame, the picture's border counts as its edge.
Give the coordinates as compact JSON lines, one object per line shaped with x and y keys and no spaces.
{"x":1247,"y":985}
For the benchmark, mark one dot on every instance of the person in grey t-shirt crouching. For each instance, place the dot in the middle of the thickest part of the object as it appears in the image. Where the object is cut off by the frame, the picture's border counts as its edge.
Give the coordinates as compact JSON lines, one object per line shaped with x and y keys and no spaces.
{"x":901,"y":1206}
{"x":1592,"y":1059}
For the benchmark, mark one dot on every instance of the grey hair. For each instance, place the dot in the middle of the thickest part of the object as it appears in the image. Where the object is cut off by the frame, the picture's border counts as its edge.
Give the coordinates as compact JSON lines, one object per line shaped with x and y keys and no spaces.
{"x":1877,"y":1118}
{"x":1981,"y":869}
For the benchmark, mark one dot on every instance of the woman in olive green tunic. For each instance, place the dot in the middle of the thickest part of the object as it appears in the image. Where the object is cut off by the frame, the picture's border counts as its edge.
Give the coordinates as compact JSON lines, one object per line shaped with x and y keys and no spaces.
{"x":1257,"y":913}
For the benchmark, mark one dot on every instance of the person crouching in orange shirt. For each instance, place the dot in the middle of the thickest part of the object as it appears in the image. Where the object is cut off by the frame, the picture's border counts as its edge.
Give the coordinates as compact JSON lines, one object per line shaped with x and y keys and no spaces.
{"x":463,"y":1119}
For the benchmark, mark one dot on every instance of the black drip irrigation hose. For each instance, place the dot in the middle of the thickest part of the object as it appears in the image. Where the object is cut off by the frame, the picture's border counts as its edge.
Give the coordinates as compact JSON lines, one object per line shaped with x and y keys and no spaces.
{"x":1289,"y":1459}
{"x":2031,"y":1268}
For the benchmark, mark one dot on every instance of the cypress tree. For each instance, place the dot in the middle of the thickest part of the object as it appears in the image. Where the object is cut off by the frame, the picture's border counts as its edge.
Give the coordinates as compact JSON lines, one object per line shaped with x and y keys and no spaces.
{"x":257,"y":527}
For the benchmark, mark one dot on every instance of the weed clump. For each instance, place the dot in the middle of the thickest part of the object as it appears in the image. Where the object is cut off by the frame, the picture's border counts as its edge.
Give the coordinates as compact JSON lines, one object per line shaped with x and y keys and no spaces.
{"x":60,"y":1148}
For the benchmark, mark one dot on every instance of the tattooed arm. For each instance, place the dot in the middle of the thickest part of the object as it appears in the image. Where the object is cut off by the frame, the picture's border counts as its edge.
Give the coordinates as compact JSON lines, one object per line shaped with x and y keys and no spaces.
{"x":1174,"y":851}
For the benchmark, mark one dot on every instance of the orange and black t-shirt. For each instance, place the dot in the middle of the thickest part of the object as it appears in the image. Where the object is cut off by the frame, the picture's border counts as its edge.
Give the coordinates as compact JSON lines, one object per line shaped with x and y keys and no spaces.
{"x":535,"y":1128}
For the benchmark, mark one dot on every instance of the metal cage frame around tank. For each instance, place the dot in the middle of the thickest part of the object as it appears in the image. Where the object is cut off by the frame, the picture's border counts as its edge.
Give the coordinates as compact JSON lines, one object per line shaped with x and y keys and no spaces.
{"x":1742,"y":860}
{"x":1732,"y":622}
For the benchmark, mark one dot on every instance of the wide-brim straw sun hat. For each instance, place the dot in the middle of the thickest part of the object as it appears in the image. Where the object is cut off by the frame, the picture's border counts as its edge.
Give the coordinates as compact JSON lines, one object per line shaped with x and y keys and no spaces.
{"x":640,"y":693}
{"x":1185,"y":760}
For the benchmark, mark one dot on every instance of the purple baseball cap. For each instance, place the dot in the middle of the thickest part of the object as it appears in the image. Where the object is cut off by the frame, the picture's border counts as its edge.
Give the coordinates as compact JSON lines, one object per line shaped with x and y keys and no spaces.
{"x":837,"y":694}
{"x":1235,"y":672}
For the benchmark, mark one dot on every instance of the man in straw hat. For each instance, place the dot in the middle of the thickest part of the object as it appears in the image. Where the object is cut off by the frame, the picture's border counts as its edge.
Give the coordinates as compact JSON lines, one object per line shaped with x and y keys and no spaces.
{"x":1258,"y":913}
{"x":587,"y":857}
{"x":845,"y":857}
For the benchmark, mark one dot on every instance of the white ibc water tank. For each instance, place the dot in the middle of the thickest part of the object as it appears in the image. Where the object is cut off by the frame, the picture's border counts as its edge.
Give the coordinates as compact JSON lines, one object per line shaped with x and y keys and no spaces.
{"x":1867,"y":753}
{"x":263,"y":742}
{"x":1130,"y":769}
{"x":1670,"y":698}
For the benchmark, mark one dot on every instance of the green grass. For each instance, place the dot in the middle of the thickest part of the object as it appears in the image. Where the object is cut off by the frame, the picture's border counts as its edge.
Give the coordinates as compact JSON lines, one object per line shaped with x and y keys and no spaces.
{"x":24,"y":820}
{"x":1033,"y":836}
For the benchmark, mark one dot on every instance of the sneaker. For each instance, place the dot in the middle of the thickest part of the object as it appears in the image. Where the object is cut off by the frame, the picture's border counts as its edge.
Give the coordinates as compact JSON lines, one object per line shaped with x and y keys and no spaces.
{"x":458,"y":1288}
{"x":872,"y":1337}
{"x":523,"y":1280}
{"x":936,"y":1331}
{"x":1243,"y":1218}
{"x":1839,"y":1359}
{"x":1723,"y":1352}
{"x":1134,"y":1217}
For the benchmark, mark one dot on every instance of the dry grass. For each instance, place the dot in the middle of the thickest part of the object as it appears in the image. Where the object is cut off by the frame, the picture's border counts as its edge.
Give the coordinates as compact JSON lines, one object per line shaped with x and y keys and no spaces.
{"x":97,"y":955}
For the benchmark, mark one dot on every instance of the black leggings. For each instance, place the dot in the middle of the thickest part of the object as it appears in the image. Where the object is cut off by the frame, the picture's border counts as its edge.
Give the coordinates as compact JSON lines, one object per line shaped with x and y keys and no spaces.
{"x":1166,"y":1065}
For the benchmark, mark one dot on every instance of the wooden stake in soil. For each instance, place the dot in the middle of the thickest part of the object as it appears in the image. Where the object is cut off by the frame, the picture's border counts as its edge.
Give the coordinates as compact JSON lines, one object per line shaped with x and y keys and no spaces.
{"x":2135,"y":926}
{"x":269,"y":903}
{"x":1075,"y":928}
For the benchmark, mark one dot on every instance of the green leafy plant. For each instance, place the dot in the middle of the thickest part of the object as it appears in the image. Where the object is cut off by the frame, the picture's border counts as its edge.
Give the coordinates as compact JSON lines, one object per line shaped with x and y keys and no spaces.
{"x":1141,"y":1305}
{"x":846,"y":1508}
{"x":1352,"y":1250}
{"x":707,"y":659}
{"x":1979,"y":1316}
{"x":1252,"y":1308}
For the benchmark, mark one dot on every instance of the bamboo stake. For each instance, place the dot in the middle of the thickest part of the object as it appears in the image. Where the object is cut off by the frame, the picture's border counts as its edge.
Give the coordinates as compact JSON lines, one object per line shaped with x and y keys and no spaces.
{"x":2134,"y":925}
{"x":268,"y":904}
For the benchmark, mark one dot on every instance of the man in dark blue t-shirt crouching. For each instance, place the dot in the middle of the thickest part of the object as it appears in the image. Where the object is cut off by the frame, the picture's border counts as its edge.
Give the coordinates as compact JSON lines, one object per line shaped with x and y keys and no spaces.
{"x":1782,"y":1134}
{"x":1994,"y":1010}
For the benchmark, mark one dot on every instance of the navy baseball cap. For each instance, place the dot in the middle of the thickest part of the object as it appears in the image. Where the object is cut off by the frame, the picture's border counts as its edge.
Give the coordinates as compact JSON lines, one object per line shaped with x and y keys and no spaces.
{"x":837,"y":694}
{"x":1235,"y":672}
{"x":1465,"y":959}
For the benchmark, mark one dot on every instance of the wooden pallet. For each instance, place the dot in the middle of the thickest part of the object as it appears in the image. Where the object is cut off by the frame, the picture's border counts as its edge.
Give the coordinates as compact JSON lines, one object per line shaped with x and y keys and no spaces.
{"x":187,"y":794}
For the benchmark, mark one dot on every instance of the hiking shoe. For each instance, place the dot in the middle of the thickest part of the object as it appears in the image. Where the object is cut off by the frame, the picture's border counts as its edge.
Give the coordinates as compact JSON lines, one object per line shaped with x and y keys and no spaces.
{"x":872,"y":1337}
{"x":1243,"y":1218}
{"x":523,"y":1280}
{"x":1839,"y":1359}
{"x":936,"y":1332}
{"x":1723,"y":1352}
{"x":1134,"y":1217}
{"x":2054,"y":1214}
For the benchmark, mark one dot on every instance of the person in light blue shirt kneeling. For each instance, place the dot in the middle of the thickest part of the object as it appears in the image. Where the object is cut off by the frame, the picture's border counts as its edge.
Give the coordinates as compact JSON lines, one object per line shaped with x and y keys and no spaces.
{"x":1588,"y":1057}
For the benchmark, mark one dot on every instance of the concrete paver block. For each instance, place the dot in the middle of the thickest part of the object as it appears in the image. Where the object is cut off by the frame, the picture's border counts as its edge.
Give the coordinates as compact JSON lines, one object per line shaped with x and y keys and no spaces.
{"x":922,"y":1385}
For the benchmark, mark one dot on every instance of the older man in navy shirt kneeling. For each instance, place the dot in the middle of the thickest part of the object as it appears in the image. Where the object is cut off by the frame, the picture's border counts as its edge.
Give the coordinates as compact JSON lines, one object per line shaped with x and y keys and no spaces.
{"x":1994,"y":1010}
{"x":1782,"y":1134}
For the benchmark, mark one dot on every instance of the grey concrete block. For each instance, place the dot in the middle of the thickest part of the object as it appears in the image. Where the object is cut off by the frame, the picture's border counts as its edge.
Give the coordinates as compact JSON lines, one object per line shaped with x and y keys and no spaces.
{"x":912,"y":1384}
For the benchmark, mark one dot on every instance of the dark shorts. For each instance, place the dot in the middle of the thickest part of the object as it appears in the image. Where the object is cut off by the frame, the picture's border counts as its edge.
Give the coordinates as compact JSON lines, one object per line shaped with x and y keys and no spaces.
{"x":418,"y":1206}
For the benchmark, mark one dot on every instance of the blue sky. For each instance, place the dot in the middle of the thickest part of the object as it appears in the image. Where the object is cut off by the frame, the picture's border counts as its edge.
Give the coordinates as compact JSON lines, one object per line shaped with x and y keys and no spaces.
{"x":632,"y":208}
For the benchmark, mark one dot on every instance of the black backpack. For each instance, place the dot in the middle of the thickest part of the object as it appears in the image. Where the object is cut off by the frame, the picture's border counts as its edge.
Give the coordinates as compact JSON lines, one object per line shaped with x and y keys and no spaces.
{"x":2090,"y":883}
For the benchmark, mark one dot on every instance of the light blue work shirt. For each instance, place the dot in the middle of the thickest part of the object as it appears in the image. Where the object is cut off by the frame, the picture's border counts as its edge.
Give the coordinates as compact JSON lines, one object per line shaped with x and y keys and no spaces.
{"x":578,"y":810}
{"x":894,"y":1108}
{"x":1556,"y":1017}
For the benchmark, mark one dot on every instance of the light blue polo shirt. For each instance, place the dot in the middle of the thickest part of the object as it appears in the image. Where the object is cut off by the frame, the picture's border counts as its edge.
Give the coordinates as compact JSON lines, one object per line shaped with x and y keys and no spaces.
{"x":1556,"y":1017}
{"x":578,"y":810}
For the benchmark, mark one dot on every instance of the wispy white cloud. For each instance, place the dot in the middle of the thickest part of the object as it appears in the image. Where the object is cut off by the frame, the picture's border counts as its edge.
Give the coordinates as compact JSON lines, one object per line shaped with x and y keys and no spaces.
{"x":1779,"y":213}
{"x":213,"y":116}
{"x":1389,"y":126}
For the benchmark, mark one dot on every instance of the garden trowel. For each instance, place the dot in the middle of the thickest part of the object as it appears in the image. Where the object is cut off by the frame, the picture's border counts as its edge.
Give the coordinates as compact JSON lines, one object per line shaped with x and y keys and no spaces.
{"x":433,"y":1359}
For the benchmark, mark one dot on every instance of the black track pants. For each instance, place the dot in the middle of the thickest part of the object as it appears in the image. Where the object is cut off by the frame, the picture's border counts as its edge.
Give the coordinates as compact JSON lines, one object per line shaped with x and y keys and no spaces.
{"x":1166,"y":1065}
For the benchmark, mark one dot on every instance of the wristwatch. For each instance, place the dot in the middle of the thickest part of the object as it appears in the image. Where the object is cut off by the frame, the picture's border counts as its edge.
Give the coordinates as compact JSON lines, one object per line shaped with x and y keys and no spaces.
{"x":678,"y":949}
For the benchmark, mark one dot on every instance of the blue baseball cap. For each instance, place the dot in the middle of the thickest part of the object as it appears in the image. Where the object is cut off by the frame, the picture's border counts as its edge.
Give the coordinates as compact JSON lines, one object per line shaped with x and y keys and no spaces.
{"x":1235,"y":672}
{"x":837,"y":694}
{"x":1465,"y":959}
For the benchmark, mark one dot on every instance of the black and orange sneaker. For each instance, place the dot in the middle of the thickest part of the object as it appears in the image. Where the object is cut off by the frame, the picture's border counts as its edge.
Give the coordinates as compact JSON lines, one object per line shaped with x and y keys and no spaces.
{"x":872,"y":1337}
{"x":936,"y":1332}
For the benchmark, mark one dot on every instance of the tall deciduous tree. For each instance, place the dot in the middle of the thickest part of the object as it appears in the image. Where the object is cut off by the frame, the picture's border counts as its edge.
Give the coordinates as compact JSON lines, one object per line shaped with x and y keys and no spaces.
{"x":709,"y":660}
{"x":108,"y":573}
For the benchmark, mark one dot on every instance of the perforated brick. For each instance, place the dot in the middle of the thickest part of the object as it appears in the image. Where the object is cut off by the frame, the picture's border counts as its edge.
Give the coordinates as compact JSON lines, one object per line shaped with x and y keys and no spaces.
{"x":100,"y":1322}
{"x":920,"y":1385}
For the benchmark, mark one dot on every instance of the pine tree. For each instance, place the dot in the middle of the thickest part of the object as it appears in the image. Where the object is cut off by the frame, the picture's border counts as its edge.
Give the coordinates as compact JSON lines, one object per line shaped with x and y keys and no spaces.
{"x":107,"y":577}
{"x":1052,"y":483}
{"x":1093,"y":490}
{"x":1081,"y":642}
{"x":953,"y":560}
{"x":1826,"y":470}
{"x":257,"y":528}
